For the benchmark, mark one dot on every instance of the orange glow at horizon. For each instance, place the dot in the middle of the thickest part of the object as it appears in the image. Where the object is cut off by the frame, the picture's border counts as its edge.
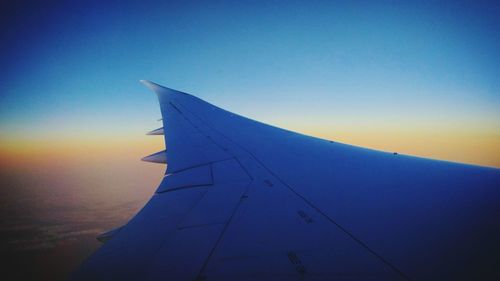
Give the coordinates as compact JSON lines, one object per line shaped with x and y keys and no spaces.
{"x":465,"y":147}
{"x":460,"y":146}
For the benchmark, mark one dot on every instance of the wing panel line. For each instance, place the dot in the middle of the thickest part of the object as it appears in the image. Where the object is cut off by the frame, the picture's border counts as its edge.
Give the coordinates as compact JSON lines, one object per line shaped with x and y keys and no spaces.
{"x":352,"y":236}
{"x":226,"y":225}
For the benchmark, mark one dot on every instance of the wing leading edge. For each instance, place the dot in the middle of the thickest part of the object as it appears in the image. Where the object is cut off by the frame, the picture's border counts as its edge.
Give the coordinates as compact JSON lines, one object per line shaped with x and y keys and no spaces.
{"x":242,"y":200}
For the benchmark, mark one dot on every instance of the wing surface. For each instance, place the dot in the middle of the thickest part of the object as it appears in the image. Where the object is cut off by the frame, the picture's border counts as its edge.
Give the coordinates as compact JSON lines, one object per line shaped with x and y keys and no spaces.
{"x":242,"y":200}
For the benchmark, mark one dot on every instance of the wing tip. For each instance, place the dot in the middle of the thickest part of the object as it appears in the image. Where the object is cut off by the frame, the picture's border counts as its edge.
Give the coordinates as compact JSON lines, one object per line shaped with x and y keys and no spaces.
{"x":151,"y":85}
{"x":157,"y":88}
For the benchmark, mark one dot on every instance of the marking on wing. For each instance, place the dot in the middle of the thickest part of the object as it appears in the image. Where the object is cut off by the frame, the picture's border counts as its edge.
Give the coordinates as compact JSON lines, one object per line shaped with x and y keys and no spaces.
{"x":295,"y":260}
{"x":268,"y":183}
{"x":305,"y":216}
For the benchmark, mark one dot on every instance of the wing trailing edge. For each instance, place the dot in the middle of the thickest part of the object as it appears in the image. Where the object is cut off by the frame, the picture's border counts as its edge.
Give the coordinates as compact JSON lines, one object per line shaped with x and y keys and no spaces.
{"x":108,"y":235}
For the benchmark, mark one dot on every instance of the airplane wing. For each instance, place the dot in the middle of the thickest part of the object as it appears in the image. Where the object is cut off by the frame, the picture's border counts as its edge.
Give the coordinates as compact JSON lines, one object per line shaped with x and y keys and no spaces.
{"x":242,"y":200}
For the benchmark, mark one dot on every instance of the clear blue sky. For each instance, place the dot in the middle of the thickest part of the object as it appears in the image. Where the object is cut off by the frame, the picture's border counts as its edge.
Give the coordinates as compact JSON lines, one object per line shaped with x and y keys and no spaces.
{"x":72,"y":69}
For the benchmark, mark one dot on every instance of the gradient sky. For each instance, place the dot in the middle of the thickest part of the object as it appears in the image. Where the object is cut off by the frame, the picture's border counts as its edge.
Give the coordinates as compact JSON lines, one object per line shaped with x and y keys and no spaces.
{"x":419,"y":78}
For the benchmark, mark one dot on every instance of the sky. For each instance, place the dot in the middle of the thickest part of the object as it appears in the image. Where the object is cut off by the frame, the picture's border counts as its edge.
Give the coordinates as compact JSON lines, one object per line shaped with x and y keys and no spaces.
{"x":418,"y":78}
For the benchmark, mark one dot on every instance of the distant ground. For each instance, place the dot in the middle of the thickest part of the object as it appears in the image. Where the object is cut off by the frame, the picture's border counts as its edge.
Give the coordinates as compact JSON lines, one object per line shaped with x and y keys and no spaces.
{"x":50,"y":215}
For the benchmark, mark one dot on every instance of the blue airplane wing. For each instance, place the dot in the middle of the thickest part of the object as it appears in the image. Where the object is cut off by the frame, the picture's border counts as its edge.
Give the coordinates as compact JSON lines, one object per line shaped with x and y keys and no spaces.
{"x":242,"y":200}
